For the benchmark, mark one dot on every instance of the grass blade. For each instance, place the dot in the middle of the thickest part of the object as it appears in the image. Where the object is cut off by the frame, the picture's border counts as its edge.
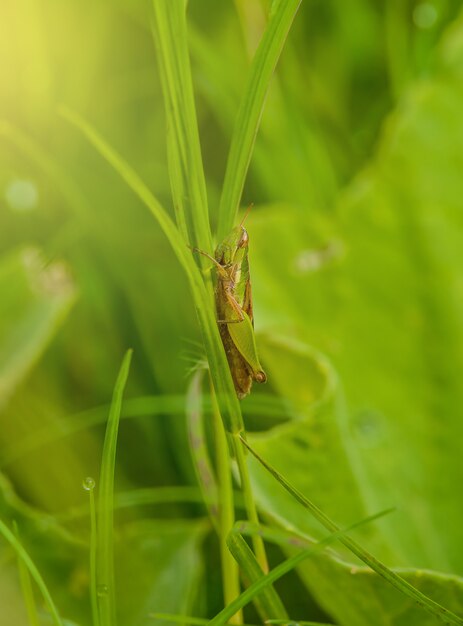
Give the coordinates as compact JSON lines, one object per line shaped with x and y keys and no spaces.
{"x":89,"y":485}
{"x":185,"y":162}
{"x":280,"y":570}
{"x":26,"y":587}
{"x":296,"y":622}
{"x":278,"y":536}
{"x":183,"y":619}
{"x":250,"y":111}
{"x":268,"y":603}
{"x":394,"y":579}
{"x":197,"y":440}
{"x":262,"y":405}
{"x":34,"y":572}
{"x":105,"y":557}
{"x":229,"y":566}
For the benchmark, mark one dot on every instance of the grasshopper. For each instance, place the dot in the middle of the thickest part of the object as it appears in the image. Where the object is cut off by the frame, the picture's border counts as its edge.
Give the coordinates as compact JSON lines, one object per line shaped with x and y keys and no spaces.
{"x":233,"y":301}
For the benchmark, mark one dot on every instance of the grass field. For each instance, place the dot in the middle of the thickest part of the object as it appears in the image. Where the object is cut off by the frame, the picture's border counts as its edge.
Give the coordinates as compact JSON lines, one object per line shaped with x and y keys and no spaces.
{"x":135,"y":487}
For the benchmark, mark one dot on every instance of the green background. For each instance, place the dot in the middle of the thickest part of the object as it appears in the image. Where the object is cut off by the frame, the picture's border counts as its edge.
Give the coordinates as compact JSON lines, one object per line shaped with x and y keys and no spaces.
{"x":356,"y":254}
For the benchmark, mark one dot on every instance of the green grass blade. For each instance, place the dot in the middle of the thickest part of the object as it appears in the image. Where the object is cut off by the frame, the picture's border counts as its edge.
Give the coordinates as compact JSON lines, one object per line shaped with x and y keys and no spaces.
{"x":262,"y":406}
{"x":184,"y":619}
{"x":141,"y":497}
{"x":229,"y":406}
{"x":250,"y":111}
{"x":296,"y":622}
{"x":89,"y":485}
{"x":280,"y":570}
{"x":185,"y":162}
{"x":9,"y":536}
{"x":26,"y":587}
{"x":251,"y":509}
{"x":268,"y":603}
{"x":199,"y":453}
{"x":446,"y":616}
{"x":278,"y":536}
{"x":105,"y":556}
{"x":230,"y":571}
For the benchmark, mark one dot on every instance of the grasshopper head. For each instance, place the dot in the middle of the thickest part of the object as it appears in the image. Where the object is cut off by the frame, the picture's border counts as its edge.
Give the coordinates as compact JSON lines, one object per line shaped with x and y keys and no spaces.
{"x":234,"y":247}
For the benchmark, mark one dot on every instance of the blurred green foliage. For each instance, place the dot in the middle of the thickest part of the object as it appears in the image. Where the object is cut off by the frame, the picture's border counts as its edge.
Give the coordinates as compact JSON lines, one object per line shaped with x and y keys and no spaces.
{"x":356,"y":260}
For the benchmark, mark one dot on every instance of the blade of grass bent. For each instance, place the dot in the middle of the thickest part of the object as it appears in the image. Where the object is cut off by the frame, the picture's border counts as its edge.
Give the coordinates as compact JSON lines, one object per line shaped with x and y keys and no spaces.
{"x":185,"y":162}
{"x":267,"y":603}
{"x":280,"y":570}
{"x":105,"y":556}
{"x":220,"y":372}
{"x":394,"y":579}
{"x":200,"y":456}
{"x":296,"y":622}
{"x":278,"y":536}
{"x":26,"y":586}
{"x":250,"y":111}
{"x":28,"y":562}
{"x":185,"y":619}
{"x":262,"y":406}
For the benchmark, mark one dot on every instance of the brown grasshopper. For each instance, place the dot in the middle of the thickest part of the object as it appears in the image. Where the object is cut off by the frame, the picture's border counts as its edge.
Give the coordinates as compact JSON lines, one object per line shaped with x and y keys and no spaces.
{"x":233,"y":301}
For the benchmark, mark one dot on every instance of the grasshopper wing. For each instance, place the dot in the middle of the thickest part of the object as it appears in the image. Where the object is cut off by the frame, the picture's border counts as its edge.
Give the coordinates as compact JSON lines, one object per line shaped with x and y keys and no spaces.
{"x":243,"y":337}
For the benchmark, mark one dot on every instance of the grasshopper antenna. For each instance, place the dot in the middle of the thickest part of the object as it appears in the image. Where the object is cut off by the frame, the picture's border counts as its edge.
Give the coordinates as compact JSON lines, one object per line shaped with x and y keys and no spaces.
{"x":248,"y":210}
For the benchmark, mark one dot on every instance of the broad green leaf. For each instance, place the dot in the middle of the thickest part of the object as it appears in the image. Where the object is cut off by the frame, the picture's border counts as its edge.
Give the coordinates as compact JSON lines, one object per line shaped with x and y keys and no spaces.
{"x":423,"y":601}
{"x":309,"y":450}
{"x":352,"y":595}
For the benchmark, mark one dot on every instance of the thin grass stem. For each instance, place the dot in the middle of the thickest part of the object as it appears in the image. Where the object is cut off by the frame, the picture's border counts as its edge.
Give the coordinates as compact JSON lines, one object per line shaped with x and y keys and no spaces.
{"x":230,"y":570}
{"x":89,"y":485}
{"x":105,"y":588}
{"x":249,"y":502}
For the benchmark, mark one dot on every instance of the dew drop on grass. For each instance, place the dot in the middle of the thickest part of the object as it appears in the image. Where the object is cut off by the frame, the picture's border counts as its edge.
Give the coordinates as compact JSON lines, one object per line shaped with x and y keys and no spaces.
{"x":88,"y":483}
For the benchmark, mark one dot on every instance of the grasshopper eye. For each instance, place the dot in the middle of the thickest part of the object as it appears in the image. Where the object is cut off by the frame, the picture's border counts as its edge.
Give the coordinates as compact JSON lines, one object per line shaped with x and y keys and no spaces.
{"x":244,"y":239}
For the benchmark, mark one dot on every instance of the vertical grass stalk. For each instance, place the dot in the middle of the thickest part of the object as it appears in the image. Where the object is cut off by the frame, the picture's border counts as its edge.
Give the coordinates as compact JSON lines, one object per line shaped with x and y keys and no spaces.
{"x":251,"y":109}
{"x":230,"y":570}
{"x":249,"y":502}
{"x":89,"y":485}
{"x":106,"y":595}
